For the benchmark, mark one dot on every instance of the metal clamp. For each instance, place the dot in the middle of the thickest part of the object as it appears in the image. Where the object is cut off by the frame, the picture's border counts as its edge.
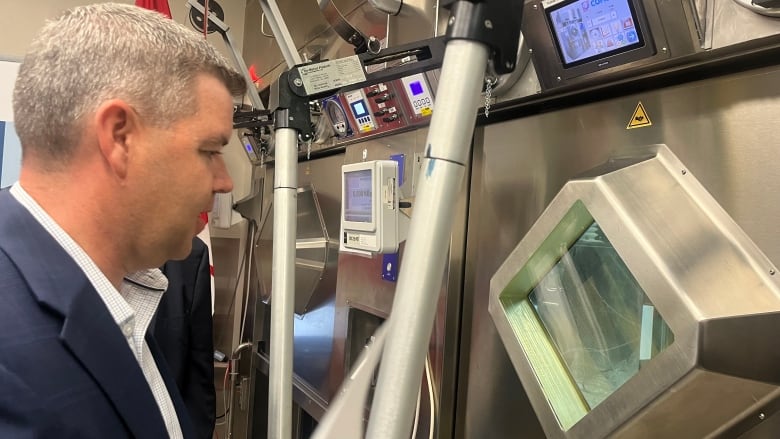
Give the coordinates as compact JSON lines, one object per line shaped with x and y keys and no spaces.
{"x":495,"y":23}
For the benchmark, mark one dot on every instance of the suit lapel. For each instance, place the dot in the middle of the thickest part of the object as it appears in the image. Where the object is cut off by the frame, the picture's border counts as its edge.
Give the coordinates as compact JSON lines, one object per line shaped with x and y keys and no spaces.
{"x":88,"y":330}
{"x":178,"y":403}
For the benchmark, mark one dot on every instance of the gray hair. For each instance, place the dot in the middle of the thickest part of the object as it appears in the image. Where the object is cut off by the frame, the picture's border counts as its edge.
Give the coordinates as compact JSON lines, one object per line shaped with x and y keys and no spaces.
{"x":104,"y":51}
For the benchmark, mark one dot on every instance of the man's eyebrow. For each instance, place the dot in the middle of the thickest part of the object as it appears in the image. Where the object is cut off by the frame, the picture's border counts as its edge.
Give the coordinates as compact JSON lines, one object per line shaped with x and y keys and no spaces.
{"x":215,"y":141}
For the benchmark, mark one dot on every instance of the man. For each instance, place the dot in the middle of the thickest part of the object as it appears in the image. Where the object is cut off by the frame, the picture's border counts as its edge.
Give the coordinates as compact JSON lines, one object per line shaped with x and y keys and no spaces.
{"x":122,"y":115}
{"x":183,"y":329}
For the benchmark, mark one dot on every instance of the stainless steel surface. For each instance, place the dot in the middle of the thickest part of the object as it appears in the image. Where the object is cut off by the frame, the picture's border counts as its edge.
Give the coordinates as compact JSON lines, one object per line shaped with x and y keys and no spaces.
{"x":280,"y":31}
{"x":344,"y":418}
{"x":679,"y":26}
{"x":313,"y":331}
{"x":693,"y":263}
{"x":716,"y":127}
{"x":322,"y":335}
{"x":341,"y":25}
{"x":283,"y":284}
{"x":311,"y":34}
{"x":316,"y":254}
{"x":743,"y":27}
{"x":669,"y":34}
{"x":235,"y":356}
{"x":362,"y":292}
{"x":446,"y":157}
{"x":238,"y":60}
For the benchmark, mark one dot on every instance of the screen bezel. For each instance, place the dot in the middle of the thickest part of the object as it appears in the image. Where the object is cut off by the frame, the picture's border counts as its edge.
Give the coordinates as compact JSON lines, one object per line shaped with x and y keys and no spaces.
{"x":547,"y":60}
{"x":638,"y":26}
{"x":358,"y":173}
{"x":363,"y":105}
{"x":359,"y":225}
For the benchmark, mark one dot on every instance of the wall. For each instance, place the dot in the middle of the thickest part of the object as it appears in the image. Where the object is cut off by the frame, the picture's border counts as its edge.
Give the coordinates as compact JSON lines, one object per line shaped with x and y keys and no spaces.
{"x":21,"y":20}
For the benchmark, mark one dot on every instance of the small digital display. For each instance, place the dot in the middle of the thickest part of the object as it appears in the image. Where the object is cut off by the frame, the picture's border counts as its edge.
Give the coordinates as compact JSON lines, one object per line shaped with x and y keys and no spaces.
{"x":358,"y":196}
{"x":587,"y":30}
{"x":249,"y":147}
{"x":359,"y":108}
{"x":416,"y":88}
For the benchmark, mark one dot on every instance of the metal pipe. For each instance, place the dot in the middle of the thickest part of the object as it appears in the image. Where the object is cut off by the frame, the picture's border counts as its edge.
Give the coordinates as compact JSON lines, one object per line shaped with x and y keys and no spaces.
{"x":283,"y":283}
{"x":234,"y":357}
{"x":419,"y":283}
{"x":238,"y":61}
{"x":281,"y":33}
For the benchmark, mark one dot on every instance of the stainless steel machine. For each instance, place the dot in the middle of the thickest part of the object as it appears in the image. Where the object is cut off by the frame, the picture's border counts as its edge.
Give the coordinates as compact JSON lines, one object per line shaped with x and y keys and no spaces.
{"x":611,"y":266}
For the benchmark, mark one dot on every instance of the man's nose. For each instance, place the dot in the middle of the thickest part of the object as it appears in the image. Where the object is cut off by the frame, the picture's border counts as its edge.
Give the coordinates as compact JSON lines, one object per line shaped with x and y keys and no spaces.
{"x":222,"y":181}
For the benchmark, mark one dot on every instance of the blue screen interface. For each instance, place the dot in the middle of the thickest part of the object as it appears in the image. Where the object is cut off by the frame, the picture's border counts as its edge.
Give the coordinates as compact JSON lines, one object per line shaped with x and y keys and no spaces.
{"x":359,"y":108}
{"x":416,"y":88}
{"x":592,"y":29}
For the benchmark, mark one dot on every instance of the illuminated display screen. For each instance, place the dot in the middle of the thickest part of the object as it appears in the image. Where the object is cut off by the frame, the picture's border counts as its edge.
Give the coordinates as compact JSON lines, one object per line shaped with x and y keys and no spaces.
{"x":357,"y":196}
{"x":359,"y":108}
{"x":587,"y":30}
{"x":416,"y":88}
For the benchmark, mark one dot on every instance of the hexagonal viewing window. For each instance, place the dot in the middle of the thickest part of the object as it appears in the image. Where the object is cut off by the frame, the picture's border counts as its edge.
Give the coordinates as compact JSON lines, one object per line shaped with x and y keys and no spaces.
{"x":585,"y":323}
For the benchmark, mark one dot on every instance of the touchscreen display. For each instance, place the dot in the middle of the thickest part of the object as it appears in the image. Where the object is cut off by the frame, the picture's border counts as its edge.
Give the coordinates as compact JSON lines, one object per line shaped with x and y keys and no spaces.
{"x":587,"y":30}
{"x":357,"y":196}
{"x":359,"y":108}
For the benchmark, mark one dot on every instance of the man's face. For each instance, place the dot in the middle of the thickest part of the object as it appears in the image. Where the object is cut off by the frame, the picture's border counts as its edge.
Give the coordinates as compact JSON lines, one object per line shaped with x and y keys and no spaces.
{"x":178,"y":171}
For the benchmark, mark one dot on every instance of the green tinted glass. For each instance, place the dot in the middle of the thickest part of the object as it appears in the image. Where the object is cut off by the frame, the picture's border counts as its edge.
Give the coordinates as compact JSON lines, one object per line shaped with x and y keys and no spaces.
{"x":599,"y":319}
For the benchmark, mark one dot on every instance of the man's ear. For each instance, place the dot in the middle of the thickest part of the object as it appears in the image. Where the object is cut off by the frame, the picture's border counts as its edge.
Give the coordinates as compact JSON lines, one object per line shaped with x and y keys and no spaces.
{"x":117,"y":125}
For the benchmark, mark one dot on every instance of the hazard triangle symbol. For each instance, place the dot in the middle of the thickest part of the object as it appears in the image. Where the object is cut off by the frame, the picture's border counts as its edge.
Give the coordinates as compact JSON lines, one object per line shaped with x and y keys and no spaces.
{"x":640,"y":118}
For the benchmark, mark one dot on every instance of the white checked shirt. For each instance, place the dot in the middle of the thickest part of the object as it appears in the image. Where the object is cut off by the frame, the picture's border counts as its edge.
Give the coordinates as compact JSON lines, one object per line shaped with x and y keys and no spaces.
{"x":132,"y":307}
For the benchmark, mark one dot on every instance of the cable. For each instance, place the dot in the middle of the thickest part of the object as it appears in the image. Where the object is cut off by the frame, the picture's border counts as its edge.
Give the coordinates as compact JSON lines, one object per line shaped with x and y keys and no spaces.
{"x":224,"y":399}
{"x":241,"y":267}
{"x":431,"y":394}
{"x":431,"y":401}
{"x":250,"y":241}
{"x":205,"y":19}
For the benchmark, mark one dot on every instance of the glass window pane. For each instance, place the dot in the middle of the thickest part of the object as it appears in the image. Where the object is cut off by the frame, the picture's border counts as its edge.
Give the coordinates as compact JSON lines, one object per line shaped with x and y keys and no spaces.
{"x":598,"y":317}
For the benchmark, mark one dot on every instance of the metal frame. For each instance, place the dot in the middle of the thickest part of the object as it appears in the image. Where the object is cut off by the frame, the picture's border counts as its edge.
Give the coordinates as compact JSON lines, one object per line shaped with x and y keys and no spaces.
{"x":690,"y":258}
{"x":477,"y":30}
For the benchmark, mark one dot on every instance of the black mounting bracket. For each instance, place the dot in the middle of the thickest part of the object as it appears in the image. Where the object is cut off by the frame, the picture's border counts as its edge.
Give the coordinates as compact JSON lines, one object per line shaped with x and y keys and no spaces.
{"x":495,"y":23}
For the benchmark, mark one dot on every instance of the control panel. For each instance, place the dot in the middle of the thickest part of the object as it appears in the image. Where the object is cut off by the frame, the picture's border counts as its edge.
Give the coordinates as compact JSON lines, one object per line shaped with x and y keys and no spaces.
{"x":380,"y":108}
{"x":574,"y":40}
{"x":419,"y":96}
{"x":356,"y":101}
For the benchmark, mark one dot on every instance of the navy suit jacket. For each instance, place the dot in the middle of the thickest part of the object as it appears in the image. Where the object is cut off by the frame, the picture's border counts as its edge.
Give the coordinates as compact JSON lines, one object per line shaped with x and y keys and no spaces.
{"x":182,"y":328}
{"x":65,"y":368}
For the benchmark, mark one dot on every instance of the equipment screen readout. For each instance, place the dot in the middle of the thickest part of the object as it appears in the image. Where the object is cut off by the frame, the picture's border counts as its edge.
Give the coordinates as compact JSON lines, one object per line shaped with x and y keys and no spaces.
{"x":418,"y":93}
{"x":359,"y":108}
{"x":416,"y":88}
{"x":358,"y":196}
{"x":586,"y":30}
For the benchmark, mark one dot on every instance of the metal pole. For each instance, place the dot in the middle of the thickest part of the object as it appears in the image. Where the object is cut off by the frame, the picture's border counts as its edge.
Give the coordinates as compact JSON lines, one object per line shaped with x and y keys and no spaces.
{"x":254,"y":96}
{"x":283,"y":282}
{"x":238,"y":61}
{"x":234,"y":357}
{"x":279,"y":28}
{"x":419,"y":283}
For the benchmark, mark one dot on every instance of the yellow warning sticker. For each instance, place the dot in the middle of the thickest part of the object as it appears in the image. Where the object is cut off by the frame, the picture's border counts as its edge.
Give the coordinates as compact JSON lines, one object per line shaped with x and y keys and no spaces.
{"x":640,"y":118}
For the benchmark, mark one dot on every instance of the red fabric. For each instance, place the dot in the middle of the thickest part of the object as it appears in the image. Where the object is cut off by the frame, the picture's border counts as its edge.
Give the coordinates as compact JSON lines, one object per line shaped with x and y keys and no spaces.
{"x":160,"y":6}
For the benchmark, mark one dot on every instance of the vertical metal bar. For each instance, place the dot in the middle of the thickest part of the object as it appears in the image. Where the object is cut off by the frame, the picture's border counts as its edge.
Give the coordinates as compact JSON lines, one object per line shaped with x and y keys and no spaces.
{"x":283,"y":282}
{"x":238,"y":61}
{"x":281,"y":33}
{"x":419,"y":284}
